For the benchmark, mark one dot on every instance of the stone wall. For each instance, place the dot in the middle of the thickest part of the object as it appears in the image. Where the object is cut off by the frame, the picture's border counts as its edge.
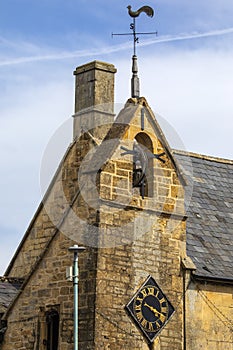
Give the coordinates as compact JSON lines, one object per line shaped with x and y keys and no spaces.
{"x":141,"y":237}
{"x":43,"y":263}
{"x":209,"y":316}
{"x":46,"y":290}
{"x":122,"y":270}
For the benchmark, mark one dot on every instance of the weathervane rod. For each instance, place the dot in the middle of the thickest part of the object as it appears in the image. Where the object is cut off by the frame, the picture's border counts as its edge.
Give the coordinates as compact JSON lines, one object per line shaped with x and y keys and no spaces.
{"x":148,"y":11}
{"x":135,"y":91}
{"x":135,"y":38}
{"x":135,"y":85}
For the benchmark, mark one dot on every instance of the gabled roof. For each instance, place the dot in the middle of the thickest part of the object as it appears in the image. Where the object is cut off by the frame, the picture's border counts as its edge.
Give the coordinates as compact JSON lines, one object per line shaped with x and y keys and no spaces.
{"x":121,"y":124}
{"x":210,"y":215}
{"x":9,"y":288}
{"x":39,"y":209}
{"x":102,"y":154}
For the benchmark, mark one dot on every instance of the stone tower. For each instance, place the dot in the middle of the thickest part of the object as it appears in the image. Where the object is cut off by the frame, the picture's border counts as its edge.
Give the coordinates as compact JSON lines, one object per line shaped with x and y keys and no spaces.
{"x":131,"y":206}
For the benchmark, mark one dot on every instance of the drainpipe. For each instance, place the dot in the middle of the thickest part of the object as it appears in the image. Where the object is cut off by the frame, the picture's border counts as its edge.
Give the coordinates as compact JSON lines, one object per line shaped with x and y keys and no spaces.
{"x":187,"y":268}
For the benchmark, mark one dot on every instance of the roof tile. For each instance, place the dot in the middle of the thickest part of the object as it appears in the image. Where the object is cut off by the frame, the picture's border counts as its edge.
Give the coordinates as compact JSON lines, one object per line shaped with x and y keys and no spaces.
{"x":210,"y":214}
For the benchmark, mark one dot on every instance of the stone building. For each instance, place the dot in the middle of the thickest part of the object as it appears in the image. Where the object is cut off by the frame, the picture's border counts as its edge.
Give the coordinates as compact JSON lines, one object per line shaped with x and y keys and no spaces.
{"x":157,"y":224}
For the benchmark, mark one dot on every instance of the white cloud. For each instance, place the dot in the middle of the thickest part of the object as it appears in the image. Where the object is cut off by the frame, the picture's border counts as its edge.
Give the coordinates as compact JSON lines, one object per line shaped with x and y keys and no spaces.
{"x":26,"y":126}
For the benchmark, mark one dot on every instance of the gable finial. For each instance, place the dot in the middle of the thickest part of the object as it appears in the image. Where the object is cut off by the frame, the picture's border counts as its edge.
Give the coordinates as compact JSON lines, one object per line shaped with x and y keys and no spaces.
{"x":135,"y":84}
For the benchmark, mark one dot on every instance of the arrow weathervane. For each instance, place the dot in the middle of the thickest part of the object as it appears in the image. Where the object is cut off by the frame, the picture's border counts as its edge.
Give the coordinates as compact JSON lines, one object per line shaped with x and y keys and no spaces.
{"x":134,"y":14}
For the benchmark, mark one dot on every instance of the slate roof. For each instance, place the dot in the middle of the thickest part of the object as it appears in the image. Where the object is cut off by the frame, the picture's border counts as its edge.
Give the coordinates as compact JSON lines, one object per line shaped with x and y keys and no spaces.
{"x":9,"y":287}
{"x":210,"y":214}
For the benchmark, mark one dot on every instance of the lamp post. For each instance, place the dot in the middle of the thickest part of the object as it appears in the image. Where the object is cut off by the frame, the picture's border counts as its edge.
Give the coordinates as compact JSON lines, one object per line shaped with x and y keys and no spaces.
{"x":76,"y":250}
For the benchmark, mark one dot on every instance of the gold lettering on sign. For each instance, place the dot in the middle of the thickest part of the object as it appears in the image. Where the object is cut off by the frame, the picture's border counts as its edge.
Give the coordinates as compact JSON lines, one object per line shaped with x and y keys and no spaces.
{"x":139,"y":299}
{"x":137,"y":307}
{"x":144,"y":293}
{"x":144,"y":323}
{"x":151,"y":328}
{"x":164,"y":309}
{"x":150,"y":290}
{"x":162,"y":317}
{"x":139,"y":316}
{"x":162,"y":300}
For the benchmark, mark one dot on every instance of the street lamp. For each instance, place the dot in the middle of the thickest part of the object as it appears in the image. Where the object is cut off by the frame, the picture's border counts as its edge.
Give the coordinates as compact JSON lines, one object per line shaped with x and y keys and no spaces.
{"x":76,"y":250}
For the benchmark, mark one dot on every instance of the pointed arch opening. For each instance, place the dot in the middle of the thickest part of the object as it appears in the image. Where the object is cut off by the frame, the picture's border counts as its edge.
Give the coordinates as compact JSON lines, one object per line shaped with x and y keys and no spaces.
{"x":143,"y":164}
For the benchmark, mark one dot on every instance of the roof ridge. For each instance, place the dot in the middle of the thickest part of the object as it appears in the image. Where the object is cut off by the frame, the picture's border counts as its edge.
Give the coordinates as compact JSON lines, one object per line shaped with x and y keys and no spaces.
{"x":39,"y":208}
{"x":203,"y":156}
{"x":17,"y":282}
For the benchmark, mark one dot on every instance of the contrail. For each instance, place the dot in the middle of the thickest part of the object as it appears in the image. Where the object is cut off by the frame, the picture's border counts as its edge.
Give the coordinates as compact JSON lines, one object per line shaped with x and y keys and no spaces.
{"x":170,"y":38}
{"x":112,"y":49}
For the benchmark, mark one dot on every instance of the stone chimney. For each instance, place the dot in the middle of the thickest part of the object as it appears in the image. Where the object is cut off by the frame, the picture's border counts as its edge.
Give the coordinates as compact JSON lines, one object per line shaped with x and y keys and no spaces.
{"x":94,"y":97}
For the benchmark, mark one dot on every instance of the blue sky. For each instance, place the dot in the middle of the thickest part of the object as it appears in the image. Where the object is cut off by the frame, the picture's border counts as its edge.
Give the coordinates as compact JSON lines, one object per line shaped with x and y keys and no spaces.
{"x":186,"y":74}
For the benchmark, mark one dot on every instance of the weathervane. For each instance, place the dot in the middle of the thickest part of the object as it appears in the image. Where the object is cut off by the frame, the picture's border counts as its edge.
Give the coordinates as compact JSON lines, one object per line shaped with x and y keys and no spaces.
{"x":134,"y":14}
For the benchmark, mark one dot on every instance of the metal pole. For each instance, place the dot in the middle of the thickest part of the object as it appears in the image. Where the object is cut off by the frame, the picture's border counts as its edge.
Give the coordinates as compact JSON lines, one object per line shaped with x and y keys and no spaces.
{"x":75,"y":282}
{"x":75,"y":249}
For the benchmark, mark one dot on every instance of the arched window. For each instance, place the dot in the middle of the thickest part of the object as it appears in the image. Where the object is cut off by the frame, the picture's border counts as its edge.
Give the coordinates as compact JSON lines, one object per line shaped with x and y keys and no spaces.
{"x":143,"y":164}
{"x":52,"y":324}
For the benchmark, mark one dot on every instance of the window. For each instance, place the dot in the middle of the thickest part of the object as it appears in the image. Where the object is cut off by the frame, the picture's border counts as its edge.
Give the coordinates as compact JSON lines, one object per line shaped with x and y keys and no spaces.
{"x":3,"y":327}
{"x":52,"y":325}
